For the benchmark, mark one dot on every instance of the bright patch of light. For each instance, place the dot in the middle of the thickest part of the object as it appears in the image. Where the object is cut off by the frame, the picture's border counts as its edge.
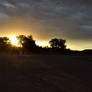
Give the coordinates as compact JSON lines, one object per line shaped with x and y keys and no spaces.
{"x":14,"y":41}
{"x":42,"y":43}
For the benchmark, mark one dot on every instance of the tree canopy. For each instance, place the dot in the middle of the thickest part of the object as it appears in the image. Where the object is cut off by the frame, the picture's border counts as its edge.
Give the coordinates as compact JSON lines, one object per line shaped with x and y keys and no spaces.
{"x":28,"y":45}
{"x":57,"y":43}
{"x":27,"y":42}
{"x":4,"y":43}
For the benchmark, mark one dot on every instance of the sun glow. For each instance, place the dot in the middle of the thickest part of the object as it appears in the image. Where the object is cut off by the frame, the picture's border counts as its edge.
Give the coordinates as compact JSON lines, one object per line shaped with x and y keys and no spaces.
{"x":42,"y":43}
{"x":14,"y":41}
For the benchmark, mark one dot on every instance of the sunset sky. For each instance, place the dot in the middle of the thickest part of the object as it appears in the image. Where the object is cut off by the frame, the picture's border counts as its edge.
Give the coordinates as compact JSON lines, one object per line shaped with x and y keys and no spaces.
{"x":46,"y":19}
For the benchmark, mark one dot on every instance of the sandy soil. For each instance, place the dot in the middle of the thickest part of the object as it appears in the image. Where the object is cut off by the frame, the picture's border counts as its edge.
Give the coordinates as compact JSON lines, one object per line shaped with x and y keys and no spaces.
{"x":45,"y":73}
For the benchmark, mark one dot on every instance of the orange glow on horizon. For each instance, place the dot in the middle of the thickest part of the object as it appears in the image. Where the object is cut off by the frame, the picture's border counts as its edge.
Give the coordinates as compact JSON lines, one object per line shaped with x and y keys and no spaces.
{"x":42,"y":43}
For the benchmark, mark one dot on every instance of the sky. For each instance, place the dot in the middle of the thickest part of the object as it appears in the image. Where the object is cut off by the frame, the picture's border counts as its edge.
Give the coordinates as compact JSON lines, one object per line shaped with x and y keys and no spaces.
{"x":47,"y":19}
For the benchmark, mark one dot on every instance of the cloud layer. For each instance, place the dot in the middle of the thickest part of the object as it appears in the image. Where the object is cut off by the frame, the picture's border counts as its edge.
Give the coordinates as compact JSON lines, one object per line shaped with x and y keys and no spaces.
{"x":71,"y":19}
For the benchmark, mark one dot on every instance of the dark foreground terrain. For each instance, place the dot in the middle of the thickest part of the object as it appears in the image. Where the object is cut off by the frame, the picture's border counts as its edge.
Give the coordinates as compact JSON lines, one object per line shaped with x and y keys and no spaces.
{"x":45,"y":73}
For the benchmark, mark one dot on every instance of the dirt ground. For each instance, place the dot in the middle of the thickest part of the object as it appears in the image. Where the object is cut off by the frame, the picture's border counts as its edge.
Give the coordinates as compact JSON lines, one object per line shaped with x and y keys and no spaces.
{"x":45,"y":73}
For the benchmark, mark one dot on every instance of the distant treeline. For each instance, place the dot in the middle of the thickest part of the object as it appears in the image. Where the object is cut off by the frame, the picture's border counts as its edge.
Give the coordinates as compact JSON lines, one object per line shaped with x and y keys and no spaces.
{"x":29,"y":46}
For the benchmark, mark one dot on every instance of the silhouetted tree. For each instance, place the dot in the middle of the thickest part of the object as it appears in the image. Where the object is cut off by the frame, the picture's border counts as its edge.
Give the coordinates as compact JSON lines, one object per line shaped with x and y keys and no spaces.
{"x":27,"y":42}
{"x":4,"y":43}
{"x":57,"y":43}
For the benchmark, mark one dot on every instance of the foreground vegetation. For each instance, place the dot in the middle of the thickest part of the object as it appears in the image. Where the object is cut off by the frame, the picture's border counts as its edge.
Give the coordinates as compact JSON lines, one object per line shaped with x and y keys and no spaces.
{"x":27,"y":45}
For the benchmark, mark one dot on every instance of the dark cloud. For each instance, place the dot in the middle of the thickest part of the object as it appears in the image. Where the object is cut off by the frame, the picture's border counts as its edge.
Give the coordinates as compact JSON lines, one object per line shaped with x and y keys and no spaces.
{"x":71,"y":19}
{"x":81,"y":3}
